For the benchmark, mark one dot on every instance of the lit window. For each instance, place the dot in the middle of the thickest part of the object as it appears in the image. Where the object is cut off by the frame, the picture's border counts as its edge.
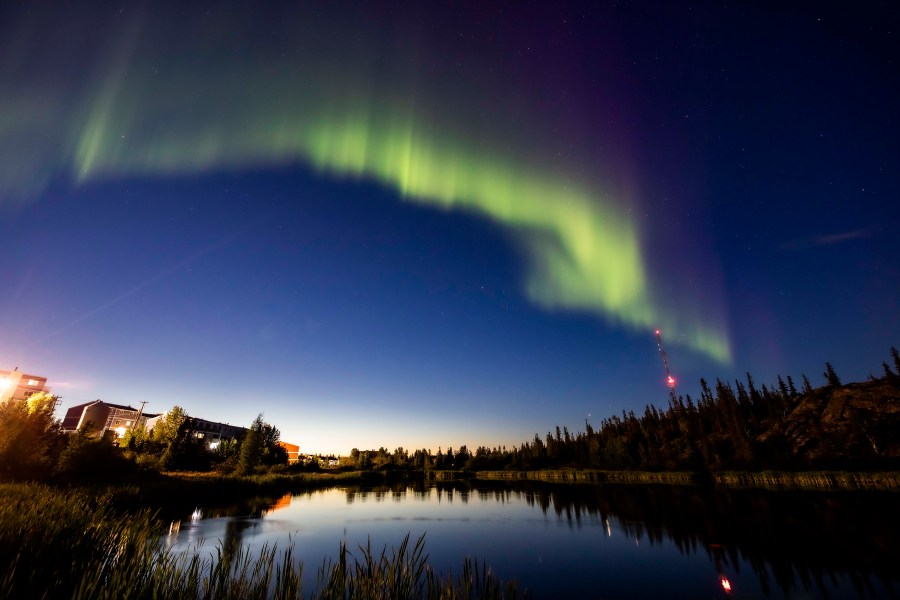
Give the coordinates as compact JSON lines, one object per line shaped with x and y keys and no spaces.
{"x":32,"y":382}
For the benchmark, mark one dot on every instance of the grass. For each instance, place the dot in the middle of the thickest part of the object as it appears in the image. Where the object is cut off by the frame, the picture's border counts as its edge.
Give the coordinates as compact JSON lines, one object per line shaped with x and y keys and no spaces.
{"x":74,"y":545}
{"x":769,"y":480}
{"x":811,"y":480}
{"x":591,"y":476}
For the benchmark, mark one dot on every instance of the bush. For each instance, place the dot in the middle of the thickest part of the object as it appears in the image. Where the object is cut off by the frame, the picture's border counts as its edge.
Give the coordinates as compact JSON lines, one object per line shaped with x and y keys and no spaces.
{"x":89,"y":459}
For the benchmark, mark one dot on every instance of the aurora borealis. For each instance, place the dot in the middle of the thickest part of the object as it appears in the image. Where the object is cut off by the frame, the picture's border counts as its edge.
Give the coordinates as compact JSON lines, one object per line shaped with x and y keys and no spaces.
{"x":141,"y":117}
{"x":536,"y":121}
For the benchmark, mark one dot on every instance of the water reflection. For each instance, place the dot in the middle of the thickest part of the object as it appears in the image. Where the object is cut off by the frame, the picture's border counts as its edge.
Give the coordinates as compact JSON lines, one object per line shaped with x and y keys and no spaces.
{"x":283,"y":502}
{"x":753,"y":542}
{"x":790,"y":539}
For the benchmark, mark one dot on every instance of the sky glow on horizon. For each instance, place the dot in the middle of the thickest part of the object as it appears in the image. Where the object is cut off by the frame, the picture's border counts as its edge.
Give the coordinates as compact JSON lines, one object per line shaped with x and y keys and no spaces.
{"x":456,"y":225}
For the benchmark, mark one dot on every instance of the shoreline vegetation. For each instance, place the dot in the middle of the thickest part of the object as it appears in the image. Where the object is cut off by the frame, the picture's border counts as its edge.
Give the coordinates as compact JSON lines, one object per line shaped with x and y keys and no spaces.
{"x":213,"y":489}
{"x":764,"y":480}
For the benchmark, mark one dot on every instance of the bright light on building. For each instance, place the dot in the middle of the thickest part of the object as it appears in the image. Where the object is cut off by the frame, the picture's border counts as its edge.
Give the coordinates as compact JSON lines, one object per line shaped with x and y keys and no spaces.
{"x":120,"y":431}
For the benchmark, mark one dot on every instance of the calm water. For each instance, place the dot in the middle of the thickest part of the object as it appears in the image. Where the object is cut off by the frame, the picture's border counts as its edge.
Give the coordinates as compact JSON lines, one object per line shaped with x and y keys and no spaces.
{"x":595,"y":542}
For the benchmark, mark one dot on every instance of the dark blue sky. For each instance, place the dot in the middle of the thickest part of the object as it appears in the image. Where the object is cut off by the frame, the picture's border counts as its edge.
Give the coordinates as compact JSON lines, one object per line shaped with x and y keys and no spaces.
{"x":413,"y":226}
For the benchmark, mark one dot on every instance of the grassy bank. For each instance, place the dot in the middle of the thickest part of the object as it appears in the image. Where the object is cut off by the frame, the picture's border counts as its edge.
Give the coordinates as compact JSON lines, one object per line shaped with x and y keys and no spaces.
{"x":164,"y":491}
{"x":70,"y":544}
{"x":590,"y":476}
{"x":810,"y":480}
{"x":770,"y":480}
{"x":206,"y":488}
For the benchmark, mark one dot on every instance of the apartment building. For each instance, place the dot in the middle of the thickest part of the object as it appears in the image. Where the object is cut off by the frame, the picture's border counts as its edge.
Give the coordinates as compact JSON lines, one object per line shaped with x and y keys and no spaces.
{"x":16,"y":385}
{"x":210,"y":431}
{"x":104,"y":417}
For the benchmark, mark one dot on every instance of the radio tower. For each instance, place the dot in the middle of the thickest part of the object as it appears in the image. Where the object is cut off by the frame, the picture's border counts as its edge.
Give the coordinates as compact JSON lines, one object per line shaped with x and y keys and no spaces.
{"x":670,"y":381}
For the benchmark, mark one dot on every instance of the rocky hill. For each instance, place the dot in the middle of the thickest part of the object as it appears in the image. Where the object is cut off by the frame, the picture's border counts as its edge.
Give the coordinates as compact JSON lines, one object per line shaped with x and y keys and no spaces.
{"x":849,"y":426}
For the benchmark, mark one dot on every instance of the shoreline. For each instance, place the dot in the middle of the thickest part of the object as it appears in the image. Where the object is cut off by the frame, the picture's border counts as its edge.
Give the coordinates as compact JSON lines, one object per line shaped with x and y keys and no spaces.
{"x":765,"y":480}
{"x":822,"y":481}
{"x":212,"y":489}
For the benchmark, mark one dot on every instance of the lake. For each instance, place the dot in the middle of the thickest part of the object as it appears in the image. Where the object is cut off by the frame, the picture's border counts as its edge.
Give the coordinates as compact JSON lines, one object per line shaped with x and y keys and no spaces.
{"x":611,"y":541}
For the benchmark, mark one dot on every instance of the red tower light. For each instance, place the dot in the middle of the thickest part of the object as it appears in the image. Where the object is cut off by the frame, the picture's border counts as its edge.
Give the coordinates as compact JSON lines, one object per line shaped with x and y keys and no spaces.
{"x":665,"y":358}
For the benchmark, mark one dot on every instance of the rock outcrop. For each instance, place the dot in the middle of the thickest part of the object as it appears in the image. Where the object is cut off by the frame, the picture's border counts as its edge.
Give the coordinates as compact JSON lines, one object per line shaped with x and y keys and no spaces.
{"x":854,"y":425}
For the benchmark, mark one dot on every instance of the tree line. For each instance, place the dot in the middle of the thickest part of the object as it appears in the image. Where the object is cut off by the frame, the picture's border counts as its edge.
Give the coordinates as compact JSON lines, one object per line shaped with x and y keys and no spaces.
{"x":732,"y":425}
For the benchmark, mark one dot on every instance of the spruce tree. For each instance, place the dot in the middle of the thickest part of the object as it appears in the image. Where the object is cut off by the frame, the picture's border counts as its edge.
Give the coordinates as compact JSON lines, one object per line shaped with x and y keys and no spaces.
{"x":890,"y":376}
{"x":791,"y":386}
{"x":830,"y":376}
{"x":252,"y":447}
{"x":782,"y":389}
{"x":705,"y":394}
{"x":807,"y":387}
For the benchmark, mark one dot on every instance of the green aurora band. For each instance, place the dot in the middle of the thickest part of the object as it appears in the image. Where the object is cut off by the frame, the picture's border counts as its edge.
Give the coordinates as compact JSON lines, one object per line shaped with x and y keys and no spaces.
{"x":584,"y":252}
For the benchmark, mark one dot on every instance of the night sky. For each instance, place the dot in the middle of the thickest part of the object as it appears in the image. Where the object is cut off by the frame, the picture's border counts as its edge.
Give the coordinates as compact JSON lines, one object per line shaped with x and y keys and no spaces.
{"x":419,"y":225}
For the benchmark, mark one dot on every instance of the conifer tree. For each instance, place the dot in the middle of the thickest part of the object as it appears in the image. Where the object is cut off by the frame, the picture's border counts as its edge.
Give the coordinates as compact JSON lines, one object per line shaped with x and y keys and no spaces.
{"x":252,"y":447}
{"x":831,"y":376}
{"x":754,"y":393}
{"x":890,"y":376}
{"x":807,"y":387}
{"x":782,"y":388}
{"x":791,"y":387}
{"x":705,"y":394}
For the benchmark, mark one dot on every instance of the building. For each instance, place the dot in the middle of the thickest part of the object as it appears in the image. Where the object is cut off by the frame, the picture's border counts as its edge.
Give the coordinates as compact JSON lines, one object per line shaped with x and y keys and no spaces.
{"x":104,"y":417}
{"x":293,"y":452}
{"x":16,"y":385}
{"x":117,"y":418}
{"x":210,"y":431}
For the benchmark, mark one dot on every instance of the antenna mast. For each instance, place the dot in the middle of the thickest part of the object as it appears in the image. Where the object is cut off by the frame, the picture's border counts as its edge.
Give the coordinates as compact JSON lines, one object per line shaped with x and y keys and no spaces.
{"x":670,"y":381}
{"x":140,"y":412}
